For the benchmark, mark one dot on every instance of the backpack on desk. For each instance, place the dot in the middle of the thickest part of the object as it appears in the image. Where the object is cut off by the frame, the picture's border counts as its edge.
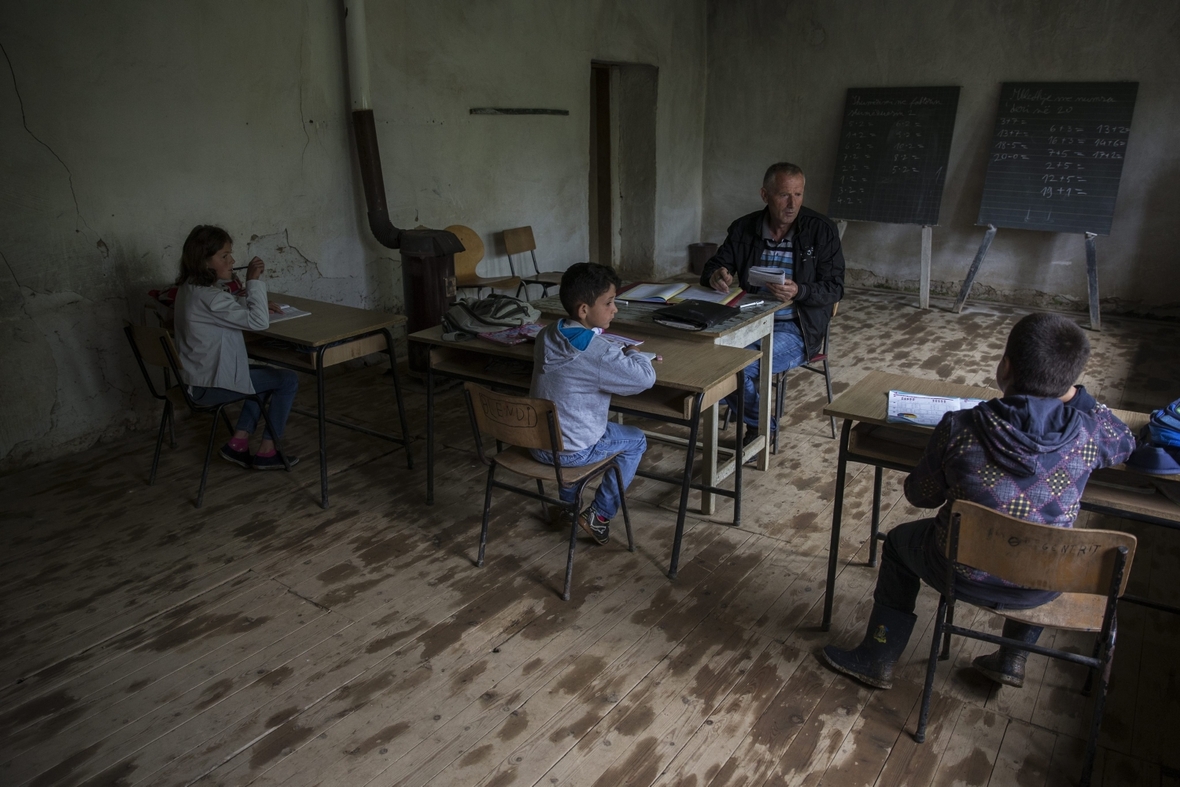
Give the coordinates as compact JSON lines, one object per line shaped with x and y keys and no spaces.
{"x":1159,"y":444}
{"x":472,"y":316}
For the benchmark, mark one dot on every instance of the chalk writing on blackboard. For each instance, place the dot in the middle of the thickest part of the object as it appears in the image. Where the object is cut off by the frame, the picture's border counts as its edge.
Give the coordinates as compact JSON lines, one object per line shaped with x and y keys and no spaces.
{"x":894,"y":146}
{"x":1057,"y":155}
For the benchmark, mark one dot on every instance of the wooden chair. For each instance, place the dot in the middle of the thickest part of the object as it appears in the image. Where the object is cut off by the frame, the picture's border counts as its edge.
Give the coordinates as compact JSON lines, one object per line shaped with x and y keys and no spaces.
{"x":517,"y":242}
{"x":523,"y":423}
{"x":145,"y":345}
{"x":1088,"y":567}
{"x":141,"y":340}
{"x":468,"y":260}
{"x":817,"y":364}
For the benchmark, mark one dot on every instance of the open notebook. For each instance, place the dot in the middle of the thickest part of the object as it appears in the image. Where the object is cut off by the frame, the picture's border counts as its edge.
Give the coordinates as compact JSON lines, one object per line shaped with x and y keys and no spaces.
{"x":672,"y":292}
{"x":288,"y":312}
{"x":923,"y":410}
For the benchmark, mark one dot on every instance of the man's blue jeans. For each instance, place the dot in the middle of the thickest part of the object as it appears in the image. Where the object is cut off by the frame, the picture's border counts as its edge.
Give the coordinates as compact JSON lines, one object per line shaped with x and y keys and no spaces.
{"x":276,"y":386}
{"x":627,"y":441}
{"x":786,"y":353}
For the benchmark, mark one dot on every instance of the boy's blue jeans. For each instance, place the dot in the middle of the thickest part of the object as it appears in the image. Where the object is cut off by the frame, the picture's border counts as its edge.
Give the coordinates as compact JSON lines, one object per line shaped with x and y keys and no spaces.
{"x":627,"y":441}
{"x":786,"y":353}
{"x":276,"y":386}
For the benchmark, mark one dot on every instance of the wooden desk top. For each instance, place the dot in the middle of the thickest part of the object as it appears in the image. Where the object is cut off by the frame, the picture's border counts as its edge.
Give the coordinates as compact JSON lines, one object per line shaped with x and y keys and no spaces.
{"x":638,"y":316}
{"x":327,"y":323}
{"x":1119,"y":488}
{"x":687,"y":366}
{"x":867,"y":400}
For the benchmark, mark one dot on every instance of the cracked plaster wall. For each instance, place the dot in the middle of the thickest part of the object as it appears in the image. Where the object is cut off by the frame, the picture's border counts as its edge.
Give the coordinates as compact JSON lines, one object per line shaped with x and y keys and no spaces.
{"x":777,"y":76}
{"x":124,"y":123}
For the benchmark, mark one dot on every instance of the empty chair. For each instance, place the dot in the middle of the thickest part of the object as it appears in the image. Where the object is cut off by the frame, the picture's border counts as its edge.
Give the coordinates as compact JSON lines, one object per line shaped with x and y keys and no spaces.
{"x":518,"y":242}
{"x":524,"y":423}
{"x":468,"y":260}
{"x":1088,"y":567}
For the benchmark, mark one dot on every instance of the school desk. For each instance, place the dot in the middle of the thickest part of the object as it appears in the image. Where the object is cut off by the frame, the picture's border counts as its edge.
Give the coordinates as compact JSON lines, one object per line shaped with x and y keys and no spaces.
{"x":690,"y":379}
{"x":868,"y":438}
{"x":743,"y":329}
{"x":329,"y":335}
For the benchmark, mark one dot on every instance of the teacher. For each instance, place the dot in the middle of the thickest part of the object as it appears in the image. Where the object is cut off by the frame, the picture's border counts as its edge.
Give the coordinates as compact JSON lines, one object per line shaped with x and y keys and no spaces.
{"x":806,"y":245}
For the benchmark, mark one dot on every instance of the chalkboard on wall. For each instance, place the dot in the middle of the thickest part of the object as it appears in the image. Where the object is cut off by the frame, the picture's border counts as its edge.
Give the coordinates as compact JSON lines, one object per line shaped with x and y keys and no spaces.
{"x":894,"y":147}
{"x":1057,"y":155}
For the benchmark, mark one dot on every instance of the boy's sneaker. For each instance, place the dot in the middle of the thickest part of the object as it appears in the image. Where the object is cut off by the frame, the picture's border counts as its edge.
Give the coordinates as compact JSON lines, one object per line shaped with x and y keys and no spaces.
{"x":273,"y":462}
{"x":596,"y":526}
{"x":240,"y":458}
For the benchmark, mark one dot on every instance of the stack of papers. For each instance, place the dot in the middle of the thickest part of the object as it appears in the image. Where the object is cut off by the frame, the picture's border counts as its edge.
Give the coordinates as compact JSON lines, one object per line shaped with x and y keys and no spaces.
{"x":923,"y":410}
{"x":760,"y":275}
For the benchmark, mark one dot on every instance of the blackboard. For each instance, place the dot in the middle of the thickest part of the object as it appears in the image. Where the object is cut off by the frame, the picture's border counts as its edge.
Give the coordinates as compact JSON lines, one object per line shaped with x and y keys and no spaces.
{"x":894,"y":146}
{"x":1057,"y":155}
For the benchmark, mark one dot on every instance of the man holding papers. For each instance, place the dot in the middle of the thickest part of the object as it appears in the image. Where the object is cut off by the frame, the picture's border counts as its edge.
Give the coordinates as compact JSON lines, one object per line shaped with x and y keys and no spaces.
{"x":787,"y":252}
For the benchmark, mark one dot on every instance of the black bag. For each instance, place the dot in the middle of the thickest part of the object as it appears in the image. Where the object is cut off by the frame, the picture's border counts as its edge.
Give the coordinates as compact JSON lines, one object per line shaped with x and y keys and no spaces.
{"x":471,"y":316}
{"x":693,"y":315}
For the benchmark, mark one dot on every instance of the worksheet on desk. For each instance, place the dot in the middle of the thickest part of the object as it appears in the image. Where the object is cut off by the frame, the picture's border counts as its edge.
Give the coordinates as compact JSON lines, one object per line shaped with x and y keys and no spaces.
{"x":923,"y":410}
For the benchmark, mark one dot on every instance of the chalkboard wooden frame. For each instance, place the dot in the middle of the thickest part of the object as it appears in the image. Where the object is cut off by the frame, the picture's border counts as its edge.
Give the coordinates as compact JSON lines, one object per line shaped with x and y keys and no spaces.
{"x":1056,"y":155}
{"x":894,"y":146}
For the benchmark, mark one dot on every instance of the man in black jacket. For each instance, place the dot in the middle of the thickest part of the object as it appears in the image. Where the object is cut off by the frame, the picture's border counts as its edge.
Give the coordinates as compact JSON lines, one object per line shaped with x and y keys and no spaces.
{"x":803,"y":243}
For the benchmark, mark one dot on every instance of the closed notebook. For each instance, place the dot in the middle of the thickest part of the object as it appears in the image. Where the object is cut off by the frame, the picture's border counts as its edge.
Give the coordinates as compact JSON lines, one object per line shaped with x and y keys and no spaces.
{"x":692,"y":315}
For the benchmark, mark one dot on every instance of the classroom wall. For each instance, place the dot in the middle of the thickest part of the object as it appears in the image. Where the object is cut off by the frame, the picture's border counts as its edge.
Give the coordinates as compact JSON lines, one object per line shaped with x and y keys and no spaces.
{"x":122,"y":124}
{"x":777,"y":77}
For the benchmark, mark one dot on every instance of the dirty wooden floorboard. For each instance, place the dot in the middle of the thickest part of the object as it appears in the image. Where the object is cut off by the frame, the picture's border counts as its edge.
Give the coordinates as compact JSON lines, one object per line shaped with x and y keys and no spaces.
{"x":262,"y":640}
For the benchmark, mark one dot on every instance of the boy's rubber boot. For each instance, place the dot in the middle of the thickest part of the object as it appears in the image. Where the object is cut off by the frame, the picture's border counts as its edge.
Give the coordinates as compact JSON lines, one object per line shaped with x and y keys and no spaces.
{"x":1006,"y":665}
{"x":872,"y":661}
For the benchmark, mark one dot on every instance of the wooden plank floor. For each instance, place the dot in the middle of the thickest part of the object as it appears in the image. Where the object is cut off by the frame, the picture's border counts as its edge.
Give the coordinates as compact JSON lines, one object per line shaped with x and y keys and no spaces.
{"x":262,"y":640}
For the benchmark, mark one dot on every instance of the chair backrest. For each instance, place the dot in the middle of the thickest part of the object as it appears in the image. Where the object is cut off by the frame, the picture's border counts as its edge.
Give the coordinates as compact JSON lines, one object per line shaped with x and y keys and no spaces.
{"x":145,"y":343}
{"x":516,"y":420}
{"x":467,"y":260}
{"x":1042,"y":557}
{"x":519,"y":240}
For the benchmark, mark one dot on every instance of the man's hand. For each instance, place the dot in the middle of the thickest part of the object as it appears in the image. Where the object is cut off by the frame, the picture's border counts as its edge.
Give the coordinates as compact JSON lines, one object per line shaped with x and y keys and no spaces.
{"x":787,"y":291}
{"x":721,"y":280}
{"x":274,"y":308}
{"x":255,"y":269}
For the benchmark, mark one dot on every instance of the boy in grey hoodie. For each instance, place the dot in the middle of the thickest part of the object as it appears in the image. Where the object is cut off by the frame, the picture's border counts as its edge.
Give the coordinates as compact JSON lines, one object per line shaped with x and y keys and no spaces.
{"x":578,"y":370}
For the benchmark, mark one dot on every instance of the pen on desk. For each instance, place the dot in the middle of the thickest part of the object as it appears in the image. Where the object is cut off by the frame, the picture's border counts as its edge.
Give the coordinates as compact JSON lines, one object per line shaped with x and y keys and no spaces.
{"x":751,"y":304}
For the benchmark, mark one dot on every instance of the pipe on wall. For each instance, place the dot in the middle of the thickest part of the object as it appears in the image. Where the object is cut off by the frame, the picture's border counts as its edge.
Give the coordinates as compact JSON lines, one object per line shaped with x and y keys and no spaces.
{"x":414,"y":243}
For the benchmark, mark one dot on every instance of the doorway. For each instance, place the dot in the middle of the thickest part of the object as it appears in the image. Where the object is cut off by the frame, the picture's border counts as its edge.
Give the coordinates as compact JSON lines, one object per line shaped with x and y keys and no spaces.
{"x":622,"y":177}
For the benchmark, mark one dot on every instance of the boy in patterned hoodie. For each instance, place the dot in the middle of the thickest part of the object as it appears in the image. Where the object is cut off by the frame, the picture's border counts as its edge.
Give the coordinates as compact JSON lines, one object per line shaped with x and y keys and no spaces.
{"x":1027,"y":455}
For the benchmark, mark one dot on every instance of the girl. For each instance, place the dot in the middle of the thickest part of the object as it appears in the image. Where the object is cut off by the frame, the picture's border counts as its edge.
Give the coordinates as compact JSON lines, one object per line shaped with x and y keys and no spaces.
{"x":209,"y":325}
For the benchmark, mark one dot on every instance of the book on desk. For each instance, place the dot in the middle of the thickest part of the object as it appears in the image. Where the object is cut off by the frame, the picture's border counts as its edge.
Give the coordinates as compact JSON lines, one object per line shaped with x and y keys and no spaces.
{"x":674,"y":292}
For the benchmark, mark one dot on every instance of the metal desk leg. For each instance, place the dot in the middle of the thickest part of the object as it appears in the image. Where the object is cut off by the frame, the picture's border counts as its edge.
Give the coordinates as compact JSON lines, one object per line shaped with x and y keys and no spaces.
{"x":709,"y":466}
{"x":319,"y":386}
{"x":397,"y":393}
{"x":837,"y":511}
{"x":429,"y":434}
{"x":739,"y":459}
{"x":690,"y":451}
{"x":875,"y":527}
{"x":765,"y":375}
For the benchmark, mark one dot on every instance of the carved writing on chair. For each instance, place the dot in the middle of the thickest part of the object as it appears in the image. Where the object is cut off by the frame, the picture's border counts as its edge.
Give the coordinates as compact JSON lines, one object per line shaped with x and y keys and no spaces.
{"x":514,"y":414}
